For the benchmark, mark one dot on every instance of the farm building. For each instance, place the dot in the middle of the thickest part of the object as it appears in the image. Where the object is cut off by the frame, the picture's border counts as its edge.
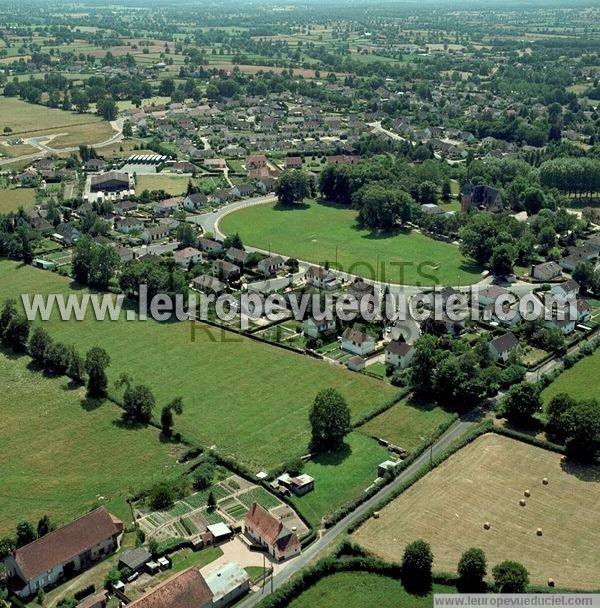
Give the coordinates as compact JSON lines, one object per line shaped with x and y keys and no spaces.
{"x":113,"y":181}
{"x":266,"y":531}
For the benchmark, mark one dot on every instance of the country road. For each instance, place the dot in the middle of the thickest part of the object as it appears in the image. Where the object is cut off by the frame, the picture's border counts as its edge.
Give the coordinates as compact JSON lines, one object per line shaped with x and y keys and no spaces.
{"x":329,"y":537}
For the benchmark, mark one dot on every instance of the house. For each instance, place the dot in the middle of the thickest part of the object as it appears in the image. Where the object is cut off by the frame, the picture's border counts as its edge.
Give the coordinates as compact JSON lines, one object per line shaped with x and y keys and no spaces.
{"x":66,"y":233}
{"x":356,"y":363}
{"x":431,"y":209}
{"x":315,"y":328}
{"x":61,"y":554}
{"x":113,"y":181}
{"x":208,"y":284}
{"x":256,"y":162}
{"x":357,"y":342}
{"x":135,"y":559}
{"x":155,"y":233}
{"x":267,"y":183}
{"x":359,"y":289}
{"x":298,"y":485}
{"x":321,"y":277}
{"x":221,"y":195}
{"x":266,"y":531}
{"x":188,"y":255}
{"x":226,"y":270}
{"x":491,"y":294}
{"x":208,"y":245}
{"x":503,"y":347}
{"x":186,"y":589}
{"x":293,"y":162}
{"x":242,"y":190}
{"x":168,"y":206}
{"x":41,"y":225}
{"x":195,"y":201}
{"x":227,"y":584}
{"x":481,"y":198}
{"x":125,"y":254}
{"x":398,"y":354}
{"x":237,"y":256}
{"x":584,"y":310}
{"x":566,"y":288}
{"x":129,"y":224}
{"x":125,"y":206}
{"x":547,"y":271}
{"x":93,"y":164}
{"x":271,"y":265}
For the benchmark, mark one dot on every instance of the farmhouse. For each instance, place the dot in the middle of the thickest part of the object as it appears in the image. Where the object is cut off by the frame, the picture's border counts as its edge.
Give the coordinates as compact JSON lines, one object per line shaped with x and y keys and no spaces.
{"x":64,"y":552}
{"x":357,"y":342}
{"x":267,"y":531}
{"x":187,"y":255}
{"x":271,"y":265}
{"x":481,"y":197}
{"x":398,"y":354}
{"x":547,"y":271}
{"x":113,"y":181}
{"x":503,"y":347}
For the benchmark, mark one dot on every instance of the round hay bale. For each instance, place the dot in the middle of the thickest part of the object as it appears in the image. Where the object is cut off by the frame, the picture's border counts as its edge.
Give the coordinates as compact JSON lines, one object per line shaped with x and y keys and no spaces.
{"x":376,"y":515}
{"x":527,"y":493}
{"x":550,"y":582}
{"x":539,"y":532}
{"x":487,"y":525}
{"x":522,"y":502}
{"x":545,"y":481}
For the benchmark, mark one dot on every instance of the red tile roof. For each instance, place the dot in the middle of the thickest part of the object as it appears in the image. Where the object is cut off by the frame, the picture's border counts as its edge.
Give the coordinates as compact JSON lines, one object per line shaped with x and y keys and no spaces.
{"x":270,"y":529}
{"x":67,"y":542}
{"x":186,"y":589}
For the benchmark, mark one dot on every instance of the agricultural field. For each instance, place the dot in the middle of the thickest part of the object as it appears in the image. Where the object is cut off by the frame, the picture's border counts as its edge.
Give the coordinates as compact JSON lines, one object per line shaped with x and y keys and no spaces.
{"x":173,"y":184}
{"x":63,"y":455}
{"x":13,"y":198}
{"x":322,"y":233}
{"x":407,"y":424}
{"x":579,"y":381}
{"x":224,"y":380}
{"x":484,"y":482}
{"x":363,"y":590}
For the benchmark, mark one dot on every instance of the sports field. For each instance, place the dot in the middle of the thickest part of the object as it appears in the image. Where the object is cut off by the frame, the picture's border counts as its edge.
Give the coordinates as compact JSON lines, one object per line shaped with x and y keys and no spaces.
{"x":484,"y":482}
{"x":62,"y":456}
{"x":249,"y":399}
{"x":321,"y":233}
{"x":579,"y":381}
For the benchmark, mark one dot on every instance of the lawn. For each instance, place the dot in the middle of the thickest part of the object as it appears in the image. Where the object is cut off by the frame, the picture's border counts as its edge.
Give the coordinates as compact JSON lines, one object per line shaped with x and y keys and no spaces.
{"x":340,"y":476}
{"x":363,"y":590}
{"x":172,"y":184}
{"x":326,"y":233}
{"x":13,"y":198}
{"x":484,"y":482}
{"x":579,"y":381}
{"x":249,"y":399}
{"x":407,"y":424}
{"x":62,"y":456}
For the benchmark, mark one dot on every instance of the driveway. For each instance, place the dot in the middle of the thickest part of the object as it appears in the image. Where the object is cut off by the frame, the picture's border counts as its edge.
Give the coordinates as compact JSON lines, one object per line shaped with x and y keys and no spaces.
{"x":235,"y":550}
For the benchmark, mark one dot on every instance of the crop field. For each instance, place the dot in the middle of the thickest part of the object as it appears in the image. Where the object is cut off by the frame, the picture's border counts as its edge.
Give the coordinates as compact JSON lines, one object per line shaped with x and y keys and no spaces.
{"x":240,"y":395}
{"x":484,"y":482}
{"x":13,"y":198}
{"x":326,"y":233}
{"x":579,"y":381}
{"x":363,"y":590}
{"x":62,"y":456}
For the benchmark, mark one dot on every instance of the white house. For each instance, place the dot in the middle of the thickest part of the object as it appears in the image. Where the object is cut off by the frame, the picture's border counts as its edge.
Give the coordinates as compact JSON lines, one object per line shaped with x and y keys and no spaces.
{"x":504,"y":346}
{"x":195,"y":201}
{"x":187,"y":255}
{"x":315,"y":328}
{"x":271,"y":265}
{"x":129,"y":224}
{"x":398,"y":354}
{"x":321,"y":277}
{"x":357,"y":342}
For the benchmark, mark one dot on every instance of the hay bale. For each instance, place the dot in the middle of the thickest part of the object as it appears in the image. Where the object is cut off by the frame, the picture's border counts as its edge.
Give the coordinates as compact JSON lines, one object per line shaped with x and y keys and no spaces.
{"x":487,"y":525}
{"x":545,"y":481}
{"x":539,"y":532}
{"x":522,"y":502}
{"x":550,"y":582}
{"x":376,"y":515}
{"x":527,"y":493}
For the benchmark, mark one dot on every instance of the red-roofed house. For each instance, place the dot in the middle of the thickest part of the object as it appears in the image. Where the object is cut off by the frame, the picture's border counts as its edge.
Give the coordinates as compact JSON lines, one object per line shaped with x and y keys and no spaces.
{"x":267,"y":531}
{"x":64,"y":552}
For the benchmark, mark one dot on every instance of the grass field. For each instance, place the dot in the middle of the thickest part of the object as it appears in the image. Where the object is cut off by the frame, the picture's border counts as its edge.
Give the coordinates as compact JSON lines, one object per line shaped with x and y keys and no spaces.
{"x":61,"y":456}
{"x":13,"y":198}
{"x":322,"y":232}
{"x":249,"y":399}
{"x":407,"y":424}
{"x":484,"y":482}
{"x":363,"y":590}
{"x":173,"y":184}
{"x":579,"y":381}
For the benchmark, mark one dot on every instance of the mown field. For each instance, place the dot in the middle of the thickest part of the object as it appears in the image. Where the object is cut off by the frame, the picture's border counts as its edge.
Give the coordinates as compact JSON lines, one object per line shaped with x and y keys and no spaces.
{"x":579,"y":381}
{"x":13,"y":198}
{"x":484,"y":482}
{"x":363,"y":590}
{"x":326,"y":233}
{"x":248,"y":399}
{"x":173,"y":184}
{"x":62,"y":456}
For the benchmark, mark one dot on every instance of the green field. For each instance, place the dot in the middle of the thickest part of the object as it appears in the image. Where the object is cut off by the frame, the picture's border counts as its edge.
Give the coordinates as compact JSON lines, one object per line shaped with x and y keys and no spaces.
{"x":340,"y":476}
{"x":407,"y":424}
{"x":62,"y":456}
{"x":249,"y":399}
{"x":363,"y":590}
{"x":579,"y":381}
{"x":325,"y":233}
{"x":172,"y":184}
{"x":13,"y":198}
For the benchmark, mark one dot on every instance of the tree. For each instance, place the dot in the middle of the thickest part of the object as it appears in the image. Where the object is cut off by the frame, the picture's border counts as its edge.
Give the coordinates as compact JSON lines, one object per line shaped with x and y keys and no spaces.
{"x":9,"y":310}
{"x":582,"y":429}
{"x":161,"y":496}
{"x":330,"y":420}
{"x":25,"y":533}
{"x":127,"y":129}
{"x":503,"y":259}
{"x":533,"y":200}
{"x":472,"y":568}
{"x":186,"y":235}
{"x":521,"y":402}
{"x":211,"y":501}
{"x":427,"y":193}
{"x":292,"y":187}
{"x":417,"y":562}
{"x":426,"y":357}
{"x":56,"y":358}
{"x":76,"y":365}
{"x":39,"y":341}
{"x":138,"y":403}
{"x":166,"y":417}
{"x":16,"y":333}
{"x":446,"y":190}
{"x":44,"y":526}
{"x":204,"y":475}
{"x":107,"y":108}
{"x":96,"y":362}
{"x":510,"y":577}
{"x":555,"y":412}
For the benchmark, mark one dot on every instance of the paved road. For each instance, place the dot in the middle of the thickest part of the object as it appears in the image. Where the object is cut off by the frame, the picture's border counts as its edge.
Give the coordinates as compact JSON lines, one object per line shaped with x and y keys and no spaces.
{"x":328,"y":537}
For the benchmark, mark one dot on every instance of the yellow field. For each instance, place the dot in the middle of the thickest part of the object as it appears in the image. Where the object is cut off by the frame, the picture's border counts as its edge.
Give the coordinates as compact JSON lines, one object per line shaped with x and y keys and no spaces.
{"x":173,"y":184}
{"x":484,"y":482}
{"x":13,"y":198}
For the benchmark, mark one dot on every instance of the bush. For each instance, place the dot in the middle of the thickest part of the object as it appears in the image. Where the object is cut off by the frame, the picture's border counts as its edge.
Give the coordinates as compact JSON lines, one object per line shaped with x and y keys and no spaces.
{"x":472,"y":568}
{"x":416,"y":566}
{"x":510,"y":577}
